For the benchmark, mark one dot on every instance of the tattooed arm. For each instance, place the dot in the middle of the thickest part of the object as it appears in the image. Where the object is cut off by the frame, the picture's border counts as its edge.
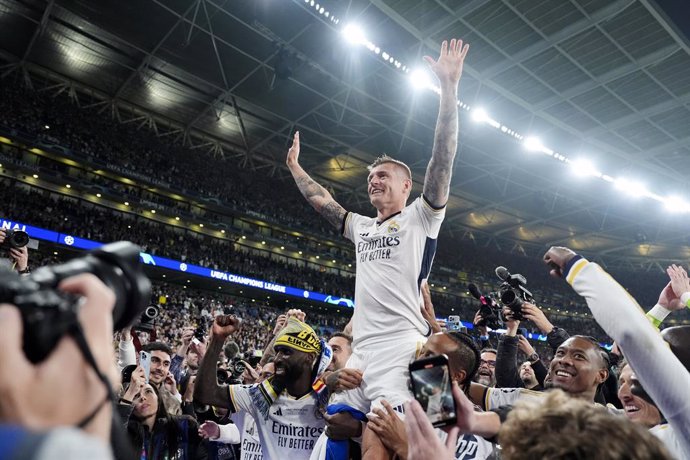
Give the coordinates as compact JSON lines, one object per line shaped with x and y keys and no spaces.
{"x":448,"y":69}
{"x":315,"y":194}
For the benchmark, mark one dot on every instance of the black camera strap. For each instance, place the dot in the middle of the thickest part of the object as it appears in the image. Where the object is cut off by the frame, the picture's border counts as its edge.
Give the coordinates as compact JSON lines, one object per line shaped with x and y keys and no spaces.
{"x":78,"y":334}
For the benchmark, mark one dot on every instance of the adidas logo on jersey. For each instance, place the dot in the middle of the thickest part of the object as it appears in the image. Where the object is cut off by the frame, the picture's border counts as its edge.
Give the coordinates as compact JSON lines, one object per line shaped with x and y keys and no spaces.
{"x":279,"y":412}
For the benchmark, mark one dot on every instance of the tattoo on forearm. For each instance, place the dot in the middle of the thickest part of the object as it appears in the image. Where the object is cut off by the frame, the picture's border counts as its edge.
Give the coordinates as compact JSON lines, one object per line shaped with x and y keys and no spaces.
{"x":333,"y":213}
{"x":310,"y":189}
{"x":440,"y":169}
{"x":321,"y":200}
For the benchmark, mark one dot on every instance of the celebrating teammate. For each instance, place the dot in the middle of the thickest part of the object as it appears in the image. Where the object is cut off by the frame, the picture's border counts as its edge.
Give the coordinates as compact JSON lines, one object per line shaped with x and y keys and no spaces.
{"x":394,"y":251}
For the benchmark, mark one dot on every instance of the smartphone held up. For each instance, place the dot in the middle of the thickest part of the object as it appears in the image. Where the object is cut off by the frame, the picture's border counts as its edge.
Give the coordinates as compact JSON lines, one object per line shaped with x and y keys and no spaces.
{"x":432,"y":388}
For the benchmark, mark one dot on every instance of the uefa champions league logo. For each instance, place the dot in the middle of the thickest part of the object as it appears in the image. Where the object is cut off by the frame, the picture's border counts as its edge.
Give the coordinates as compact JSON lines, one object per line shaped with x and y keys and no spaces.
{"x":69,"y":240}
{"x":183,"y":267}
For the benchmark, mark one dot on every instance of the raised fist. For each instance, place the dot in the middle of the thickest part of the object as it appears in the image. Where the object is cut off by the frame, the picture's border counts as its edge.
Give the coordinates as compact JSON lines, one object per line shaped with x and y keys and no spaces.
{"x":557,"y":258}
{"x":224,"y":325}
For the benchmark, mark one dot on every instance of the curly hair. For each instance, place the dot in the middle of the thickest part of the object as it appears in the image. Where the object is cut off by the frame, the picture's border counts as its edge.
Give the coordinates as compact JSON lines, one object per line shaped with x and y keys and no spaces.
{"x":561,"y":427}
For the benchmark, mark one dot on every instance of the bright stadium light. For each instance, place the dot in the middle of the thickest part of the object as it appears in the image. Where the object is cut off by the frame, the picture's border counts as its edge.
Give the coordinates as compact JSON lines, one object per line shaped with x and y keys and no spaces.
{"x":354,"y":34}
{"x":479,"y":115}
{"x":676,"y":204}
{"x":631,"y":188}
{"x":533,"y":144}
{"x":420,"y":79}
{"x":582,"y":167}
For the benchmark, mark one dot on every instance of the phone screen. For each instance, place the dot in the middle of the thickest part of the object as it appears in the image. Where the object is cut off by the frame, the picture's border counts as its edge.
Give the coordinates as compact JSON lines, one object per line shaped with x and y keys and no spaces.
{"x":431,"y":386}
{"x":145,"y":363}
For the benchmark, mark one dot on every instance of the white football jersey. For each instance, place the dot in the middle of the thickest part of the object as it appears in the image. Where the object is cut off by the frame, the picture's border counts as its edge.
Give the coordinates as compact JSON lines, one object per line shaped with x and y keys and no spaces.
{"x":499,"y":397}
{"x":471,"y":447}
{"x":292,"y":427}
{"x":393,"y":258}
{"x":250,"y":447}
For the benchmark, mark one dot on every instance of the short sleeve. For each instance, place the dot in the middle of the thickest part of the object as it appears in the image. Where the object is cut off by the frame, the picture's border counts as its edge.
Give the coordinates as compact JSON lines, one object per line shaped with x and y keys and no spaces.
{"x":240,"y":397}
{"x":431,"y":217}
{"x":498,"y":397}
{"x":350,"y":223}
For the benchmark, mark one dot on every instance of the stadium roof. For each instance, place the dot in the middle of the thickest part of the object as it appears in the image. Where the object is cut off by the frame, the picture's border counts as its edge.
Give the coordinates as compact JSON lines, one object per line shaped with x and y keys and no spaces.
{"x":605,"y":79}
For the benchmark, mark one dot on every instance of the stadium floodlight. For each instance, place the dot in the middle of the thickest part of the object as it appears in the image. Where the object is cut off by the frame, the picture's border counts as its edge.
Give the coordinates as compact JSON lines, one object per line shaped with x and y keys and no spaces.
{"x":631,"y":188}
{"x":420,"y":79}
{"x":354,"y":34}
{"x":583,"y":167}
{"x":676,"y":204}
{"x":479,"y":115}
{"x":533,"y":144}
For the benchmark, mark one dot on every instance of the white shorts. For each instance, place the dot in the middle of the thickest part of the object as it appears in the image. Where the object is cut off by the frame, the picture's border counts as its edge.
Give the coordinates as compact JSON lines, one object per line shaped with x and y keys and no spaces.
{"x":385,"y":374}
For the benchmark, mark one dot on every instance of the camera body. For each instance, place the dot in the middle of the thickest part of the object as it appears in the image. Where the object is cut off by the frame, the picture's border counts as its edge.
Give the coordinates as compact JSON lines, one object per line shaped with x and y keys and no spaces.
{"x":48,"y":314}
{"x":15,"y":239}
{"x":513,"y":292}
{"x":147,"y":319}
{"x":233,"y":374}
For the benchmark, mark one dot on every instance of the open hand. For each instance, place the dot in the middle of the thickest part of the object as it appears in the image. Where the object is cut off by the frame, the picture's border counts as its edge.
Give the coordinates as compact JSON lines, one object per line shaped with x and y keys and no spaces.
{"x":448,"y":67}
{"x":209,"y":430}
{"x":293,"y":153}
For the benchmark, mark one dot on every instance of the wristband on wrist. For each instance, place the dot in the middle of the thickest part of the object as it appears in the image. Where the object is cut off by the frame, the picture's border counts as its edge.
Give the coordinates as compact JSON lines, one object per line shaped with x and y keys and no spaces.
{"x":125,"y":401}
{"x":657,"y":314}
{"x":26,"y":271}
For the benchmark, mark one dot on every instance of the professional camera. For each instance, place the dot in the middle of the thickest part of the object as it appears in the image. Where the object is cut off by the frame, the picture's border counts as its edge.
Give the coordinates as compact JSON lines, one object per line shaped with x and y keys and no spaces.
{"x":237,"y":367}
{"x":201,"y":330}
{"x":147,"y":319}
{"x":513,"y":292}
{"x":15,"y":239}
{"x":48,"y":314}
{"x":489,"y":311}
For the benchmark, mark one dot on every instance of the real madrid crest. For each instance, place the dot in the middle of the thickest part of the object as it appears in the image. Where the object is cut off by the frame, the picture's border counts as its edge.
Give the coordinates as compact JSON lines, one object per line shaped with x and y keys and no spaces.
{"x":393,"y":227}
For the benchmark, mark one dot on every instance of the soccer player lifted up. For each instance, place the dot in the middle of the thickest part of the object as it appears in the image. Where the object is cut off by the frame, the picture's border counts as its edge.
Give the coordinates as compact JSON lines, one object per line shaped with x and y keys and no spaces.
{"x":394,"y":251}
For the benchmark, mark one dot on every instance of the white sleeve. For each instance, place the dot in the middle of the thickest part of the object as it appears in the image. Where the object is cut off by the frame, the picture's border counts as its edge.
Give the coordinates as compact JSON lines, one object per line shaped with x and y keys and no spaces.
{"x":499,"y":397}
{"x":127,"y":355}
{"x":350,"y":225}
{"x":240,"y":398}
{"x":431,"y":217}
{"x":662,"y":375}
{"x":229,"y":434}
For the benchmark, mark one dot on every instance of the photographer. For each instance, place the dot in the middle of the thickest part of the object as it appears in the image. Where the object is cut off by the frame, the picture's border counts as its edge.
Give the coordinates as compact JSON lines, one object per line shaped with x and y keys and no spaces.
{"x":39,"y":403}
{"x":507,"y":374}
{"x":18,"y":255}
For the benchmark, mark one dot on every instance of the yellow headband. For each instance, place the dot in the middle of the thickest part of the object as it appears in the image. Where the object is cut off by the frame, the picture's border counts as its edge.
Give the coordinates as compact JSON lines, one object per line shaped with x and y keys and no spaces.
{"x":299,"y":336}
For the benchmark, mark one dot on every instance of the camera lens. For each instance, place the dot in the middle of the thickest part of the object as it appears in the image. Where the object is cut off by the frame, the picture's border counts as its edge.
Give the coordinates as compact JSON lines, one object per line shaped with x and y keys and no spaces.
{"x":18,"y":239}
{"x":508,"y":297}
{"x":151,"y":312}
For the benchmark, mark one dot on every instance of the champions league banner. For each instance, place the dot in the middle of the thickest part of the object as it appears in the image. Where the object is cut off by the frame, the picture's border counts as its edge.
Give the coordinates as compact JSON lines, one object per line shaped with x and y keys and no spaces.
{"x":149,"y":259}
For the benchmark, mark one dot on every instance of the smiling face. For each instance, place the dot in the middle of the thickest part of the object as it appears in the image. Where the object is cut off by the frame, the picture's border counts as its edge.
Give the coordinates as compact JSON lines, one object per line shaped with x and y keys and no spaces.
{"x":486,"y":374}
{"x":578,"y":368}
{"x":527,"y":375}
{"x":291,"y":364}
{"x":388,"y":186}
{"x":636,"y":409}
{"x":160,"y":365}
{"x":145,"y":403}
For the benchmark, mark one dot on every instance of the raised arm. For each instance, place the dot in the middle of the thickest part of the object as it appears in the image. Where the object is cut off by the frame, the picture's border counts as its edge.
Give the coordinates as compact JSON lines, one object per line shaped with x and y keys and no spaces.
{"x":316,"y":195}
{"x":206,"y":387}
{"x":448,"y":69}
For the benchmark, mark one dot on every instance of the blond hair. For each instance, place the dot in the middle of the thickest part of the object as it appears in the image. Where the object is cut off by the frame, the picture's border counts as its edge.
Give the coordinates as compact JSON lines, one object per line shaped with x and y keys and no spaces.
{"x":562,"y":427}
{"x":383,"y":159}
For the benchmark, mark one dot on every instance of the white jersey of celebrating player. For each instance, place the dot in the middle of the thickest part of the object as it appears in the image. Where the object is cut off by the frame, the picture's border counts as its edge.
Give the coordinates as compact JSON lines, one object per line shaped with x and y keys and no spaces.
{"x":393,"y":258}
{"x":292,"y":426}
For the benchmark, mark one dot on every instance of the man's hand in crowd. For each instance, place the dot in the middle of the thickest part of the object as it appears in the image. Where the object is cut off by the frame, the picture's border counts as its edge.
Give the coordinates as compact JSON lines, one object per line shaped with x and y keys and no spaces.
{"x":344,"y":379}
{"x":342,"y":426}
{"x":422,"y":441}
{"x":557,"y":258}
{"x":389,"y":428}
{"x":427,"y":308}
{"x":187,"y":336}
{"x":483,"y":330}
{"x":281,"y":322}
{"x":224,"y":326}
{"x":297,"y":314}
{"x":63,"y":389}
{"x":533,"y":313}
{"x":170,"y":384}
{"x":524,"y":346}
{"x":209,"y":430}
{"x":512,"y":324}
